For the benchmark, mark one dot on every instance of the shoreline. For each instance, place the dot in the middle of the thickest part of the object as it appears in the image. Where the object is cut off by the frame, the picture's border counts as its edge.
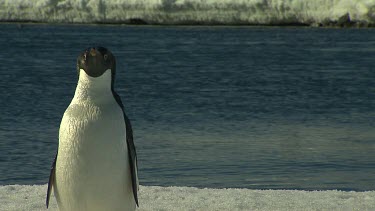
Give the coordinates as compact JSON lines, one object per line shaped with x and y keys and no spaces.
{"x":32,"y":197}
{"x":139,"y":22}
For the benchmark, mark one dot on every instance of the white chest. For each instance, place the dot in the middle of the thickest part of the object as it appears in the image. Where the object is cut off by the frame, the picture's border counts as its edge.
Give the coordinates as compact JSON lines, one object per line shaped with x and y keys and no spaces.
{"x":92,"y":167}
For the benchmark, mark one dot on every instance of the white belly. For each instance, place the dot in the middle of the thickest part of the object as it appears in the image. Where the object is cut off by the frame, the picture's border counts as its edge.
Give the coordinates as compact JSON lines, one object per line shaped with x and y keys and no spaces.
{"x":92,"y":167}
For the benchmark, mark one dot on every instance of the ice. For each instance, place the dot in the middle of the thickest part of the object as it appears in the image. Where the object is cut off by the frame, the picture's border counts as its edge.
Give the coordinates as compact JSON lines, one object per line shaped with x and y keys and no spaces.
{"x":189,"y":11}
{"x":32,"y":197}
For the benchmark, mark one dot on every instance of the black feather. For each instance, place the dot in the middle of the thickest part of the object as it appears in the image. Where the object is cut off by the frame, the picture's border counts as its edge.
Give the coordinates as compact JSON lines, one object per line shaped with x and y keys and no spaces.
{"x":51,"y":181}
{"x":131,"y":148}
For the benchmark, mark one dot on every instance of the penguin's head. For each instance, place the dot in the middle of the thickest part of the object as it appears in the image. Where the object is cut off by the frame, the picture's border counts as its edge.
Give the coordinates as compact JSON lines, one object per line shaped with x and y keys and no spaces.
{"x":95,"y":61}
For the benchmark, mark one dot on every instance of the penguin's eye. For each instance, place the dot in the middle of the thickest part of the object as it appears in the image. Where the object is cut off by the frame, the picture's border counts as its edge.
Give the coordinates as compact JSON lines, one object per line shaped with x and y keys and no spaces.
{"x":105,"y":57}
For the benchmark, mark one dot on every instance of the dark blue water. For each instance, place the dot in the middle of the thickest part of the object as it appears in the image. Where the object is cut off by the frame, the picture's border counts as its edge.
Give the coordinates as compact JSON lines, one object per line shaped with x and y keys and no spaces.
{"x":290,"y":108}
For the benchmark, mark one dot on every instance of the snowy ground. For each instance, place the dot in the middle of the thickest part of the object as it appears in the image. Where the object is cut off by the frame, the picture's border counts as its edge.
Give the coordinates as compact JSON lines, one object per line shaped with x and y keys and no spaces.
{"x":25,"y":197}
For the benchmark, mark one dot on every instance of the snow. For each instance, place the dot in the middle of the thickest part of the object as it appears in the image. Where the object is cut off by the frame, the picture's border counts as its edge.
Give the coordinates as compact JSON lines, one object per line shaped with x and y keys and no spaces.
{"x":32,"y":197}
{"x":187,"y":11}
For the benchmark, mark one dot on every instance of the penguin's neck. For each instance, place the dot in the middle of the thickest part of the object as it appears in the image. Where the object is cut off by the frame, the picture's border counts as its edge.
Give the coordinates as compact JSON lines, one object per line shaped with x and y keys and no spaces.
{"x":93,"y":89}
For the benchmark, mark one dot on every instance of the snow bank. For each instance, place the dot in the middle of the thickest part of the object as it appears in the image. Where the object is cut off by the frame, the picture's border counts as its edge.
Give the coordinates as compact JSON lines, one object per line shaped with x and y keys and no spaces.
{"x":25,"y":197}
{"x":278,"y":12}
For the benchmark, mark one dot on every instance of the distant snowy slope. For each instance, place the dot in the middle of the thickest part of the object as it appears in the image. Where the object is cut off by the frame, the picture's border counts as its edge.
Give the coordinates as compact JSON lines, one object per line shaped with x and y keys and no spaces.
{"x":188,"y":11}
{"x":23,"y":197}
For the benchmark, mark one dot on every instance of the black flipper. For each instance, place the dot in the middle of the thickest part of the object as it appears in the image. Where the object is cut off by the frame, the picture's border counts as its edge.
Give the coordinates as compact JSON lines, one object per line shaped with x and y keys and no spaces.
{"x":51,"y":181}
{"x":131,"y":149}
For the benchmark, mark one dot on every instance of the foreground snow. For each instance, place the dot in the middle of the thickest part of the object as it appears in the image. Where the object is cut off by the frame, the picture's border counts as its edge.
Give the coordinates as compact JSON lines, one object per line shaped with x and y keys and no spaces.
{"x":25,"y":197}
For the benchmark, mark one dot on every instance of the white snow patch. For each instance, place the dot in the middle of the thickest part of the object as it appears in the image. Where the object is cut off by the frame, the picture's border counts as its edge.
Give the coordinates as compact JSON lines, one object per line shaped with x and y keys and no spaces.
{"x":26,"y":197}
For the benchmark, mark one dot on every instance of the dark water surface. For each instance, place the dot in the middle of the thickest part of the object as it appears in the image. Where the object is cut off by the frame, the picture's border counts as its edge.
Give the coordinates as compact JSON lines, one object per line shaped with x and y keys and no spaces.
{"x":248,"y":107}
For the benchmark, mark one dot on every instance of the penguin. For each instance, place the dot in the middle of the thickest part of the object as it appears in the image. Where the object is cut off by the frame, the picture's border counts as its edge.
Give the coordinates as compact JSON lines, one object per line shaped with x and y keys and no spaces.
{"x":95,"y":167}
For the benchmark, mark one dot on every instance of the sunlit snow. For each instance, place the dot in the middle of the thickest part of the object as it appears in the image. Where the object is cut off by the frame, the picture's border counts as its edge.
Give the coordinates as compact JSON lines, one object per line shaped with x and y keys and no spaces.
{"x":188,"y":11}
{"x":26,"y":197}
